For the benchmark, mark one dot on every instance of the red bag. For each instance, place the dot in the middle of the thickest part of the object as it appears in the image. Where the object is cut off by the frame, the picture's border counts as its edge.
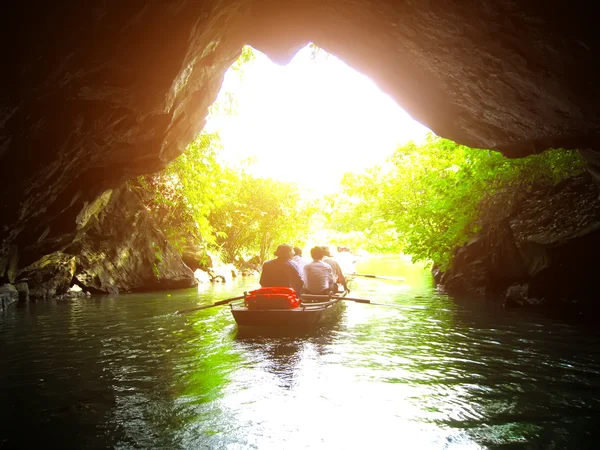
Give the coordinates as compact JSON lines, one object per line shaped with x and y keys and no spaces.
{"x":272,"y":298}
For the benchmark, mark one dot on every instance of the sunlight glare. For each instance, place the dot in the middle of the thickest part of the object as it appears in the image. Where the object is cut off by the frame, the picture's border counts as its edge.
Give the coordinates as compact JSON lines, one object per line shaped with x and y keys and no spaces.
{"x":310,"y":122}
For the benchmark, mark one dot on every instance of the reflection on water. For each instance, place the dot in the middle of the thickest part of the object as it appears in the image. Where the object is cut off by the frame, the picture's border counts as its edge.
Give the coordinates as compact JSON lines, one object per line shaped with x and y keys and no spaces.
{"x":429,"y":372}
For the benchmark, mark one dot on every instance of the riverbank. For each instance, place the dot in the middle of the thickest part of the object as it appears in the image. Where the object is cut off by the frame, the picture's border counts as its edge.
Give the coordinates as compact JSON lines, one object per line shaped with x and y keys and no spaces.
{"x":120,"y":247}
{"x":536,"y":249}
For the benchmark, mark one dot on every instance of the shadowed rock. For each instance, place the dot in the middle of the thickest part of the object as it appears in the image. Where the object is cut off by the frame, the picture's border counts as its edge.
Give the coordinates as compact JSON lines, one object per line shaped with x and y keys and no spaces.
{"x":545,"y":252}
{"x":124,"y":251}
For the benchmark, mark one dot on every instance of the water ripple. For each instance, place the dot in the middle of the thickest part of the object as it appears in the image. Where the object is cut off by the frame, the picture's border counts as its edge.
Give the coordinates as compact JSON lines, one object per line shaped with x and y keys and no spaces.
{"x":125,"y":372}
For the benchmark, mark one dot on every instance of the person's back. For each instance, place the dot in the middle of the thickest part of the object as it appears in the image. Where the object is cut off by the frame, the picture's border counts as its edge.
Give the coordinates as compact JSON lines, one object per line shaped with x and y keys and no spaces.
{"x":318,"y":275}
{"x":280,"y":271}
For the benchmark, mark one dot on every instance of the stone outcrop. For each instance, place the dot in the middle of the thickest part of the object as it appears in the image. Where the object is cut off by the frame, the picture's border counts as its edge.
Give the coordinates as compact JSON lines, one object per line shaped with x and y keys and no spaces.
{"x":545,"y":252}
{"x":95,"y":93}
{"x":51,"y":276}
{"x":196,"y":258}
{"x":124,"y":251}
{"x":23,"y":290}
{"x":8,"y":296}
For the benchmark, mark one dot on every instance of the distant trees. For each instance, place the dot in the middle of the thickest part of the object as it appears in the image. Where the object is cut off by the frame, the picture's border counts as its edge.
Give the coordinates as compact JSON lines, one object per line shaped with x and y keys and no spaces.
{"x":429,"y":198}
{"x":199,"y":202}
{"x":258,"y":215}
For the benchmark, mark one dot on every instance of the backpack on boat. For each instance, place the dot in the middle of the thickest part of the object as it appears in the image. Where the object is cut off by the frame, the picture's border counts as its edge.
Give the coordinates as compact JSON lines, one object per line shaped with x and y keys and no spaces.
{"x":272,"y":298}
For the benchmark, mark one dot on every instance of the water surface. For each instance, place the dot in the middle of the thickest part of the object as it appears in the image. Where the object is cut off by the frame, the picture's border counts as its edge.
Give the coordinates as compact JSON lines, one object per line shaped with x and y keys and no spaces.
{"x":429,"y":373}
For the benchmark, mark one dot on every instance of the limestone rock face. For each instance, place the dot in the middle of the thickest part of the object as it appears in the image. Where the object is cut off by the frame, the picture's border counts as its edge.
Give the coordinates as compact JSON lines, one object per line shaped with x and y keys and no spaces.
{"x":124,"y":251}
{"x":8,"y":296}
{"x":546,"y":253}
{"x":95,"y":93}
{"x":49,"y":277}
{"x":23,"y":290}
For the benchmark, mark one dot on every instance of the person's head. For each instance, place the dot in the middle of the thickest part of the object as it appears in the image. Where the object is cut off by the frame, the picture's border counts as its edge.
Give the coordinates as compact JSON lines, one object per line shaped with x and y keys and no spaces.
{"x":298,"y":251}
{"x":284,"y":251}
{"x":326,"y":251}
{"x":317,"y":253}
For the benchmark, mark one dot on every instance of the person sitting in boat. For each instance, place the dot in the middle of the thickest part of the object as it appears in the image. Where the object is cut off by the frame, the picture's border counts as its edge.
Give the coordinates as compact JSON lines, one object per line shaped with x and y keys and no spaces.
{"x":281,"y":271}
{"x":299,"y":261}
{"x":318,"y":275}
{"x":337,"y":270}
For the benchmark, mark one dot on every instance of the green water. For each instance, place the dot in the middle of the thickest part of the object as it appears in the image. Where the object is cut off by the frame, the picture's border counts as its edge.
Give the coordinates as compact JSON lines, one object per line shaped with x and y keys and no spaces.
{"x":430,"y":373}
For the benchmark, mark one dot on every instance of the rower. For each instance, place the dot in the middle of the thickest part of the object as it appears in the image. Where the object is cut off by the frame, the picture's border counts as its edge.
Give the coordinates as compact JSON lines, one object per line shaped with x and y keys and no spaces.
{"x":337,"y":270}
{"x":280,"y":271}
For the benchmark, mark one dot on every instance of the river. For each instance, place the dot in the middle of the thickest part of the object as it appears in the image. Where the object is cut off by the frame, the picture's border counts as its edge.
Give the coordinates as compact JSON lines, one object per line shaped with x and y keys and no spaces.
{"x":430,"y":372}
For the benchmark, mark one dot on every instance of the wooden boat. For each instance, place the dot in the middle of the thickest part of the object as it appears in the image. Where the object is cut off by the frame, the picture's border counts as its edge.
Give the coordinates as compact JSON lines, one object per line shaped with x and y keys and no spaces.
{"x":313,"y":310}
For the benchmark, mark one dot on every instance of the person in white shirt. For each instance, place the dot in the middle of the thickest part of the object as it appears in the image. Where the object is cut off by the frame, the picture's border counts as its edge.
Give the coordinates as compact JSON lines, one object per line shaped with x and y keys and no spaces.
{"x":318,"y":276}
{"x":338,"y":275}
{"x":299,"y":261}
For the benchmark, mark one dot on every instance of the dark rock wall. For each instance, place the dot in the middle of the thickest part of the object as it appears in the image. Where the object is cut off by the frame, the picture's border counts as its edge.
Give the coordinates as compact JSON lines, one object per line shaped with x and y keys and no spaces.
{"x":124,"y":251}
{"x":49,"y":277}
{"x":8,"y":296}
{"x":94,"y":93}
{"x":544,"y":253}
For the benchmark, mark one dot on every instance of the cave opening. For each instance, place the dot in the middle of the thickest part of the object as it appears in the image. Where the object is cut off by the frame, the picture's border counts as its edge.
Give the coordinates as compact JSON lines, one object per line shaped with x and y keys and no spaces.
{"x":79,"y":122}
{"x":298,"y":128}
{"x":308,"y":121}
{"x":97,"y":99}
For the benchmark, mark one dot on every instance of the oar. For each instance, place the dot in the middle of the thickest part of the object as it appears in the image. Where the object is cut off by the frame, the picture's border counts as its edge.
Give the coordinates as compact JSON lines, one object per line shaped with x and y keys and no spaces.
{"x":378,"y":277}
{"x":212,"y":305}
{"x":350,"y":299}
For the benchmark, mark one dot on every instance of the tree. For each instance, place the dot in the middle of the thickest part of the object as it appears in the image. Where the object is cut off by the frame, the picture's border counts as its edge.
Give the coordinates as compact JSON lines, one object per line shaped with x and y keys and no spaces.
{"x":257,"y":215}
{"x":183,"y":195}
{"x":428,"y":199}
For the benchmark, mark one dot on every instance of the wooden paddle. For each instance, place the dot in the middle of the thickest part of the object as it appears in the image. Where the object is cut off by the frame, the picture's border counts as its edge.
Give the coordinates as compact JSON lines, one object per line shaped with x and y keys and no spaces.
{"x":378,"y":277}
{"x":350,"y":299}
{"x":219,"y":303}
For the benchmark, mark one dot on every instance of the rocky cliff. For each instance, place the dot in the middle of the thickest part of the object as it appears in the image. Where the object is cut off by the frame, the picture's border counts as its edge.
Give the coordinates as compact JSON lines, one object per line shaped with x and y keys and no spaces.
{"x":543,"y":253}
{"x":125,"y":251}
{"x":122,"y":250}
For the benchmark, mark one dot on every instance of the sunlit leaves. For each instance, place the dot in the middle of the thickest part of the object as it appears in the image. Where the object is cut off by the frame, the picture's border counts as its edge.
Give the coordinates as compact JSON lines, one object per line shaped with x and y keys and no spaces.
{"x":258,"y":215}
{"x":427,"y":200}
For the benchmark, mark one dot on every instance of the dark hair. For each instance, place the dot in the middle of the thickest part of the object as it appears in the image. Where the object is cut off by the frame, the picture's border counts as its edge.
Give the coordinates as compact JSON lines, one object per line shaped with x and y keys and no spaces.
{"x":326,"y":251}
{"x":283,"y":250}
{"x":317,"y":253}
{"x":298,"y":251}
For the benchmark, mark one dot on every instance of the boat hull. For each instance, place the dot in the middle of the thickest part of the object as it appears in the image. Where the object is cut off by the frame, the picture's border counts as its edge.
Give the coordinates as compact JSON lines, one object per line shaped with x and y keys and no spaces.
{"x":308,"y":315}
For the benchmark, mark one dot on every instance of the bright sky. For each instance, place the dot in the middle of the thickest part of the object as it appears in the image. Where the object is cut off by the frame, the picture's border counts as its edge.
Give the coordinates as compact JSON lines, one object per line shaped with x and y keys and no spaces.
{"x":310,"y":121}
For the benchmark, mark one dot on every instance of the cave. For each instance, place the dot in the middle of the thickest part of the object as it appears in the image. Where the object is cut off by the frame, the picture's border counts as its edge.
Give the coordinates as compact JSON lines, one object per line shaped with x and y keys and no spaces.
{"x":93,"y":95}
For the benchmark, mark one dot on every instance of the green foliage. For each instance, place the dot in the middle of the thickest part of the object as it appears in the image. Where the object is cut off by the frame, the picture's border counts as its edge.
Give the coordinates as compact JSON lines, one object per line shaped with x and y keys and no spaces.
{"x":182,"y":196}
{"x":198,"y":201}
{"x":246,"y":56}
{"x":427,"y":200}
{"x":158,"y":257}
{"x":258,"y":215}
